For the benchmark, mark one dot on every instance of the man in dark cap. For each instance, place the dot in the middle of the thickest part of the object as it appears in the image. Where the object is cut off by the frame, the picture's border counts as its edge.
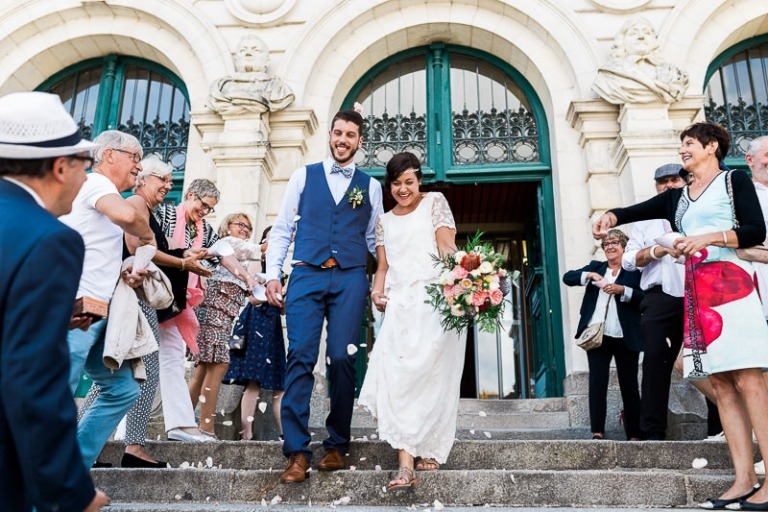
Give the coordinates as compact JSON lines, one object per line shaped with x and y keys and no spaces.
{"x":662,"y":308}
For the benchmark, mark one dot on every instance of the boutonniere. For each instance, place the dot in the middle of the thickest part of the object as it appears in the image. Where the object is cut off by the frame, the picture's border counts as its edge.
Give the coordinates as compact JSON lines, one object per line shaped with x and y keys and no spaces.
{"x":356,"y":197}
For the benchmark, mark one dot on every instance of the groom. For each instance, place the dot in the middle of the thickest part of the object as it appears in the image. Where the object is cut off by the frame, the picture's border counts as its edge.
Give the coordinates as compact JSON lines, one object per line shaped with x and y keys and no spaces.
{"x":334,"y":224}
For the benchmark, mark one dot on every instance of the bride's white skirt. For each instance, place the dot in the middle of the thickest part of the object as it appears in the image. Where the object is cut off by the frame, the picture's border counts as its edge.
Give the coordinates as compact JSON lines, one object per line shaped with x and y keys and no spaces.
{"x":413,"y":378}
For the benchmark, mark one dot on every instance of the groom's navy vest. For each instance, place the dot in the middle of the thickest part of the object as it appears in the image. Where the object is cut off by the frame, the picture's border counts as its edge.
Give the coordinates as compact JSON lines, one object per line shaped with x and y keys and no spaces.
{"x":326,"y":229}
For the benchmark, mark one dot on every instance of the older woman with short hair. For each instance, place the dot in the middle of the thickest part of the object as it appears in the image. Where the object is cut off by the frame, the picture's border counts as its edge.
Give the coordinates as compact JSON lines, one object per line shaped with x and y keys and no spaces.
{"x":725,"y":330}
{"x":186,"y":228}
{"x":612,"y":296}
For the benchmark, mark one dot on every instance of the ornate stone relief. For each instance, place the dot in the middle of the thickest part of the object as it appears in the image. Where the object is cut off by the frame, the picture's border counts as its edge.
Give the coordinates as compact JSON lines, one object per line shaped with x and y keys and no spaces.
{"x":635,"y":72}
{"x":259,"y":12}
{"x":250,"y":88}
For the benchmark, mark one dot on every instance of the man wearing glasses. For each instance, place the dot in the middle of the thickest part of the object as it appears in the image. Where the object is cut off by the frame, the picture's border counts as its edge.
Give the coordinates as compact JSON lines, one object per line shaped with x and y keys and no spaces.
{"x":42,"y":168}
{"x":101,"y":215}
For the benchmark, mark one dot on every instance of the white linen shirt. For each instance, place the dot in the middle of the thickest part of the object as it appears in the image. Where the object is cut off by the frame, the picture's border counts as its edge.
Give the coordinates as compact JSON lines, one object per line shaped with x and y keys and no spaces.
{"x":665,"y":271}
{"x":282,"y":230}
{"x":761,"y":269}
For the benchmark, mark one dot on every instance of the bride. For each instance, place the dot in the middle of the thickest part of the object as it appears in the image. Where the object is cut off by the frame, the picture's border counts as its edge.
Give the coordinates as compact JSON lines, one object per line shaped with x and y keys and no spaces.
{"x":414,"y":373}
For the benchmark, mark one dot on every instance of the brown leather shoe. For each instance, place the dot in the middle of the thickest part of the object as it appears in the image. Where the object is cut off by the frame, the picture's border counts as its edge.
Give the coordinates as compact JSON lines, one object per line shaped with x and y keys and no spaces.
{"x":333,"y":460}
{"x":297,"y":469}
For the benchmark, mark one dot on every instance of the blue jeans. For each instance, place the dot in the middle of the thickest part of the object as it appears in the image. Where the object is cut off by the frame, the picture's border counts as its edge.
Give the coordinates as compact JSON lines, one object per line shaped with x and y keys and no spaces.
{"x":119,"y":390}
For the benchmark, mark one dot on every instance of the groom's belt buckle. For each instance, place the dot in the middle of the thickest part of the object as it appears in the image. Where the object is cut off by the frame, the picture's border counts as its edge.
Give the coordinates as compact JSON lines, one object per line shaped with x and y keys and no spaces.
{"x":329,"y":263}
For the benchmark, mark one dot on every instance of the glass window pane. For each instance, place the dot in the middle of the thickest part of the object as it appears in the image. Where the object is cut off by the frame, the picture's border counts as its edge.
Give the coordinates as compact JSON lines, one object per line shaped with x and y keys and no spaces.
{"x":156,"y":112}
{"x":737,"y":97}
{"x":395,"y":114}
{"x":492,"y":121}
{"x":79,"y":93}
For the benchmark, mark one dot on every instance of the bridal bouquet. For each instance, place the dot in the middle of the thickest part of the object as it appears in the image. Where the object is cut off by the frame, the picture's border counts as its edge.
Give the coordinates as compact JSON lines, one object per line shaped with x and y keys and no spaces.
{"x":471,"y":288}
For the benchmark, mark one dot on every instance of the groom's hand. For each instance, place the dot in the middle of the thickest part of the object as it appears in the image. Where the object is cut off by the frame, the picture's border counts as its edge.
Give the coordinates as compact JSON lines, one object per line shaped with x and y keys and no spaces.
{"x":275,"y":293}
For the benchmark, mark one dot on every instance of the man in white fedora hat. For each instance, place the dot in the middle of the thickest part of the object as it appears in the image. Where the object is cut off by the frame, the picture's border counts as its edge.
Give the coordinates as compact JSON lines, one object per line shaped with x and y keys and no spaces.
{"x":42,"y":168}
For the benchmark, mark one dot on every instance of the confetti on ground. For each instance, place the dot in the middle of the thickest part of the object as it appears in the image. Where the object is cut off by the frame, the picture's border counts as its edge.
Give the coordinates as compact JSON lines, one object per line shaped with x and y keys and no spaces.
{"x":209,"y":462}
{"x":699,"y":463}
{"x":263,"y":502}
{"x":482,"y":414}
{"x":512,"y":477}
{"x":262,"y":406}
{"x":184,"y":465}
{"x":377,"y":467}
{"x":438,"y":505}
{"x":276,"y":500}
{"x":177,"y":497}
{"x":472,"y":431}
{"x":342,"y":501}
{"x":351,"y":349}
{"x":352,"y":468}
{"x":374,"y":436}
{"x":487,"y":434}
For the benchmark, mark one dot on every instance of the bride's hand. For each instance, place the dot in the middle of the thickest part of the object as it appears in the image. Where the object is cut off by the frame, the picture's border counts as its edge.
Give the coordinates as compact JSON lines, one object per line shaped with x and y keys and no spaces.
{"x":379,"y":301}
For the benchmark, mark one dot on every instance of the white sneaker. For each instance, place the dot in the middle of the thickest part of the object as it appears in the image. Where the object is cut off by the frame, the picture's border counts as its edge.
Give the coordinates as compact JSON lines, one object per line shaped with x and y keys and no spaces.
{"x":178,"y":434}
{"x":760,"y":468}
{"x":717,"y":437}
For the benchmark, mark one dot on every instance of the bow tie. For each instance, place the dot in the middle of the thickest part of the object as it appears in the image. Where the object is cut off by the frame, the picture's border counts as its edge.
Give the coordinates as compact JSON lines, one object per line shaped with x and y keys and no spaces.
{"x":346,"y":171}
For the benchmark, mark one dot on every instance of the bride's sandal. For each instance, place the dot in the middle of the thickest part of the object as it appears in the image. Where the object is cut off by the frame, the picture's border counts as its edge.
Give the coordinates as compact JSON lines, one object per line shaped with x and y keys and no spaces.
{"x":402,"y":479}
{"x":426,"y":464}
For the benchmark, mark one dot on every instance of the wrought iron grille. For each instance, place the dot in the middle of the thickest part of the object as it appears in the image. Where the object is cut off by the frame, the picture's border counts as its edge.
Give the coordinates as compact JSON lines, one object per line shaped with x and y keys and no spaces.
{"x":150,"y":107}
{"x":491,"y":122}
{"x":737,"y":97}
{"x":385,"y":136}
{"x":156,"y":112}
{"x":494,"y":137}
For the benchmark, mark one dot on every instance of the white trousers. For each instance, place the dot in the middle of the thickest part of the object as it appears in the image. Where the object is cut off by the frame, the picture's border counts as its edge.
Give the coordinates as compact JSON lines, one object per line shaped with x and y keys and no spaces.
{"x":177,"y":404}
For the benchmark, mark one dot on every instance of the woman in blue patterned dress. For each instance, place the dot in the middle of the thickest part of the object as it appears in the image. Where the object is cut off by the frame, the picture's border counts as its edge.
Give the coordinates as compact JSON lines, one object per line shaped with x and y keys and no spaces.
{"x":261,"y":365}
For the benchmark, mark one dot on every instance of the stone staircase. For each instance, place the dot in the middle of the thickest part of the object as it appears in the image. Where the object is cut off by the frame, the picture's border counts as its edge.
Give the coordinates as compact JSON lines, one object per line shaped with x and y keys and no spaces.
{"x":509,"y":453}
{"x":532,"y":473}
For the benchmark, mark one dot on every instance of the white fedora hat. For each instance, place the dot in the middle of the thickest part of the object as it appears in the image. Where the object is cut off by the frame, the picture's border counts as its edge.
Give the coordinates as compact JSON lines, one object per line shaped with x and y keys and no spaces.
{"x":36,"y":125}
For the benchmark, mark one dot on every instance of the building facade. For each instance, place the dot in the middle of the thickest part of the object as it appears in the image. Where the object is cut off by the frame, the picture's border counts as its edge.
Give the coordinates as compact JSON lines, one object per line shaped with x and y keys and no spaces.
{"x":532,"y":117}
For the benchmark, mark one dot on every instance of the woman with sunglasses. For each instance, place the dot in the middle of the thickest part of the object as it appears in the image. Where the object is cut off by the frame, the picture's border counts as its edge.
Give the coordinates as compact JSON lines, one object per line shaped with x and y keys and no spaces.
{"x":186,"y":228}
{"x":612,"y":296}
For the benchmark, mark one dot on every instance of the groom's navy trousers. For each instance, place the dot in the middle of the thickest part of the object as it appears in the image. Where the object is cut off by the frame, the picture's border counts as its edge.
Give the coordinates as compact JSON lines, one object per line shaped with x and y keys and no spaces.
{"x":314,"y":294}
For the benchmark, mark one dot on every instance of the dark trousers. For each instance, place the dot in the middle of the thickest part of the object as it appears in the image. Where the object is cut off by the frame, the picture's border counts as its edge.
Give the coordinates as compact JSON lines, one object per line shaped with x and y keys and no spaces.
{"x":662,"y":320}
{"x":599,"y":372}
{"x":315,"y":294}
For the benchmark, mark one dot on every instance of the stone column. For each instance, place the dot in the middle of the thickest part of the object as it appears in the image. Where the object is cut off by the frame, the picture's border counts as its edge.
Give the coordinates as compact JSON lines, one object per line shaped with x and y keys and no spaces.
{"x":245,"y":149}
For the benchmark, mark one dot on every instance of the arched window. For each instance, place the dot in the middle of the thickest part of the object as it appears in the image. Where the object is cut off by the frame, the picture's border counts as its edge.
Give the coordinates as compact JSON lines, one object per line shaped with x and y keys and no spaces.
{"x":737,"y":93}
{"x":457,"y":109}
{"x":130,"y":95}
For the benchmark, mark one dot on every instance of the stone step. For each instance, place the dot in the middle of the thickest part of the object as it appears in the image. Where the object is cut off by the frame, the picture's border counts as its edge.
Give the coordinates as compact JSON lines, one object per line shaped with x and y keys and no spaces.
{"x":510,"y":455}
{"x":249,"y":507}
{"x":530,"y":488}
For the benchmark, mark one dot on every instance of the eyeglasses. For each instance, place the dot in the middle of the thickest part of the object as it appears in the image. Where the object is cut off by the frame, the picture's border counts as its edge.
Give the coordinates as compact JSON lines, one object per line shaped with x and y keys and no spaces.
{"x":136,"y":157}
{"x":611,"y":242}
{"x":165,"y":179}
{"x":242,"y":226}
{"x":87,"y":160}
{"x":206,"y":207}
